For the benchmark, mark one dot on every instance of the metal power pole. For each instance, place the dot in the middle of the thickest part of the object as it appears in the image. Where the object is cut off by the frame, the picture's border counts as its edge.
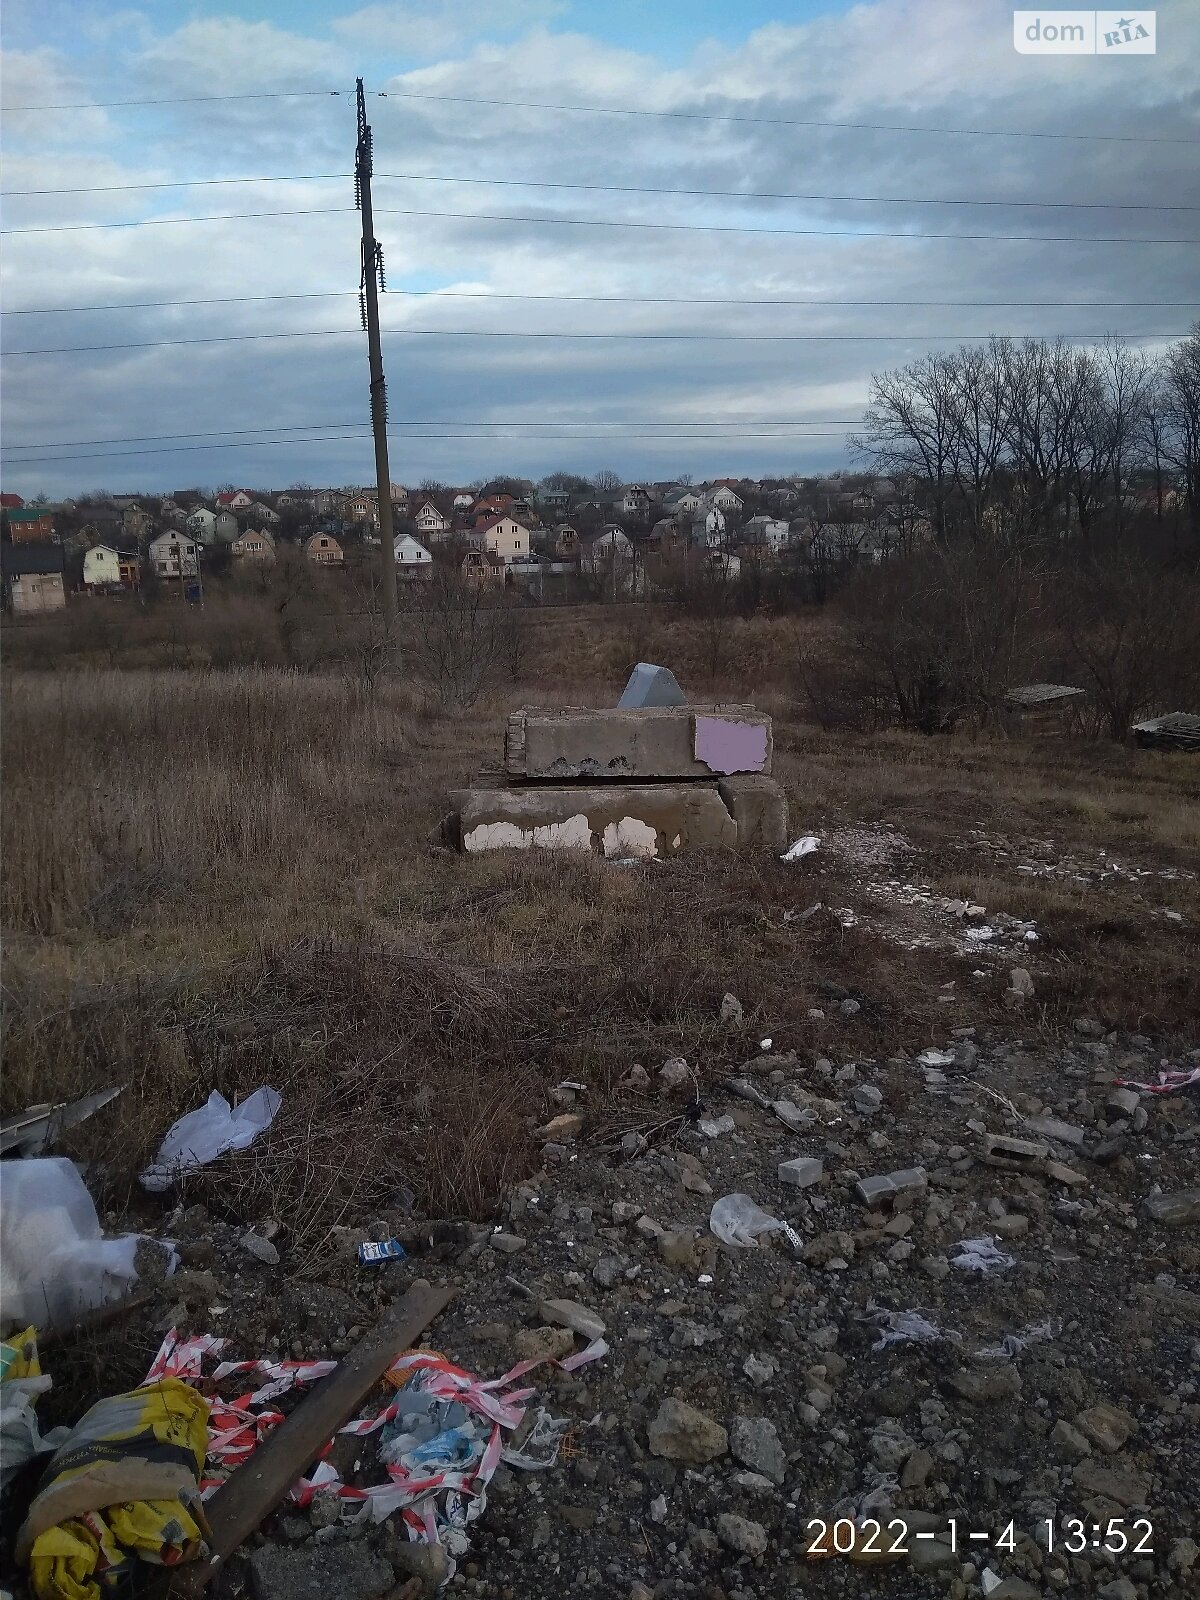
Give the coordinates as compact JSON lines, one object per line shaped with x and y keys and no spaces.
{"x":370,"y":283}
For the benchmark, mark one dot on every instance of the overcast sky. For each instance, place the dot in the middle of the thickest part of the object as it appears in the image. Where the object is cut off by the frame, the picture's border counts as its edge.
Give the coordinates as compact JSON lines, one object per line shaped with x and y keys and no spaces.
{"x":774,"y":65}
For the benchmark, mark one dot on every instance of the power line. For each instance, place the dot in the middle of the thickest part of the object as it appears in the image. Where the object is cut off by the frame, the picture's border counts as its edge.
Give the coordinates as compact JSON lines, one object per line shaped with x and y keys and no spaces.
{"x":267,"y":444}
{"x":621,"y":111}
{"x":596,"y":299}
{"x":602,"y":222}
{"x":616,"y":188}
{"x":457,"y":422}
{"x":520,"y":333}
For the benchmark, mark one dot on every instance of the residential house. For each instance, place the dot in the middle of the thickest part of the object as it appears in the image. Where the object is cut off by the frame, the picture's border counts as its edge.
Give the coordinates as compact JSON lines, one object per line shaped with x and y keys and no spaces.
{"x":362,"y":508}
{"x":503,"y":537}
{"x":203,"y":522}
{"x":28,"y":525}
{"x":234,"y":500}
{"x":612,"y":543}
{"x":493,"y":505}
{"x":463,"y":500}
{"x":766,"y":533}
{"x":328,"y":502}
{"x":324,"y":549}
{"x":564,"y":542}
{"x":725,"y":496}
{"x":174,"y":555}
{"x":554,"y":499}
{"x":430,"y":523}
{"x":666,"y":537}
{"x":721,"y":563}
{"x":677,"y":500}
{"x":634,"y":501}
{"x":291,"y":498}
{"x":170,"y":511}
{"x":258,"y":512}
{"x":11,"y":502}
{"x":708,"y":527}
{"x":254,"y":545}
{"x":106,"y":568}
{"x":136,"y":521}
{"x":225,"y":527}
{"x":481,"y":566}
{"x":33,"y":578}
{"x":413,"y":560}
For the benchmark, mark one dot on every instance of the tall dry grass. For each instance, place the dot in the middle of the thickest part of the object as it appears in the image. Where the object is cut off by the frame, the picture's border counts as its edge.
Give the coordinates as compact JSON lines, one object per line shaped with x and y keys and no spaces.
{"x":118,"y":779}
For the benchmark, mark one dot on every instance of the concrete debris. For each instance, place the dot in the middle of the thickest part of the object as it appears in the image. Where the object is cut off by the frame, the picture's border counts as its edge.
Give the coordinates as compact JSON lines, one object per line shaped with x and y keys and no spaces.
{"x":681,"y":1433}
{"x":650,"y":686}
{"x":908,"y":1182}
{"x":1014,"y":1155}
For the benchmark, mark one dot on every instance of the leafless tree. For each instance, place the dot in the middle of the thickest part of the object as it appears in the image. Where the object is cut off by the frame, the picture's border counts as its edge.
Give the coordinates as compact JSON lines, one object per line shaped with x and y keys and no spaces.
{"x":457,"y":638}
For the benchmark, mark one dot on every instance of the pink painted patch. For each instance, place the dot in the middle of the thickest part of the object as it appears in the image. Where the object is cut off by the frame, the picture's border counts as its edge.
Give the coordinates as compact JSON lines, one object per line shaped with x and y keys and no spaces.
{"x":726,"y":745}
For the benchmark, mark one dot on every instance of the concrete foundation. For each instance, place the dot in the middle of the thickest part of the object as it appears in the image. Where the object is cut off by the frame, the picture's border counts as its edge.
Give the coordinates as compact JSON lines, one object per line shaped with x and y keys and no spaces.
{"x":759,"y":808}
{"x":634,"y":820}
{"x":672,"y":742}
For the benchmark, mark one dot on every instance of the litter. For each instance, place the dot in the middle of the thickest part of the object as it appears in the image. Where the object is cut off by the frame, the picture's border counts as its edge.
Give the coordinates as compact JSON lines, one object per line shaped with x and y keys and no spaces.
{"x":21,"y":1382}
{"x":441,"y":1437}
{"x":211,"y":1131}
{"x":737,"y":1221}
{"x":123,"y":1487}
{"x":1012,"y":1344}
{"x":371,"y":1253}
{"x":804,"y":846}
{"x":907,"y":1327}
{"x":1169,"y":1082}
{"x":32,"y":1131}
{"x":981,"y":1255}
{"x":936,"y":1058}
{"x":55,"y":1265}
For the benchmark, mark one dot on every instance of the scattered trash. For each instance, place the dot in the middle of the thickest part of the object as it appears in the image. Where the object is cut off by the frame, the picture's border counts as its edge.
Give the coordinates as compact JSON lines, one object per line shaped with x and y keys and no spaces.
{"x":1012,"y":1344}
{"x":737,"y":1221}
{"x":33,"y":1131}
{"x":907,"y":1327}
{"x":804,"y":846}
{"x":122,"y":1487}
{"x":936,"y":1058}
{"x":211,"y":1131}
{"x":765,"y":1044}
{"x":981,"y":1255}
{"x":371,"y":1253}
{"x":1169,"y":1082}
{"x":21,"y":1382}
{"x":803,"y":916}
{"x":55,"y":1265}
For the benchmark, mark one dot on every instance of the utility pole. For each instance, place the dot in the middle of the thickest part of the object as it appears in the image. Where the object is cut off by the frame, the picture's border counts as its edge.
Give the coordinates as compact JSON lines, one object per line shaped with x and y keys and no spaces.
{"x":369,"y":285}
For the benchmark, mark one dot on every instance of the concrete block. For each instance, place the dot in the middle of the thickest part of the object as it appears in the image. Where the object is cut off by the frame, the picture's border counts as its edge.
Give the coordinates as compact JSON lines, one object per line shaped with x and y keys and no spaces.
{"x":650,"y":686}
{"x":802,"y":1172}
{"x":759,"y":807}
{"x":1016,"y":1155}
{"x":623,"y":746}
{"x":609,"y":820}
{"x":907,"y":1183}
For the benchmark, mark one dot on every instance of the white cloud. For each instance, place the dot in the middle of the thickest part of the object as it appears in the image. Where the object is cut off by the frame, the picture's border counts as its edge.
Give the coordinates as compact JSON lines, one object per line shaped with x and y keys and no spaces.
{"x":432,"y":27}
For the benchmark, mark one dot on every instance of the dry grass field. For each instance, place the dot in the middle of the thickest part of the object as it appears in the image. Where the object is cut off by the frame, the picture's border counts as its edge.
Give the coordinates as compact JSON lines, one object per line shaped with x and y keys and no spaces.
{"x":219,"y":879}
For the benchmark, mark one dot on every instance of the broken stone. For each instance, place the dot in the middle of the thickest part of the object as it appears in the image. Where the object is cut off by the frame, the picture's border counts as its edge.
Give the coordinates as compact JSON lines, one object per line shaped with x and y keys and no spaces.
{"x":754,"y":1442}
{"x":739,"y":1534}
{"x":1058,"y":1173}
{"x":570,"y":1314}
{"x":983,"y":1385}
{"x":1069,"y":1444}
{"x":315,"y":1572}
{"x":1123,"y":1101}
{"x":759,"y":807}
{"x":1015,"y":1155}
{"x":1174,"y":1209}
{"x":428,"y":1563}
{"x":1121,"y":1484}
{"x":681,"y":1433}
{"x":731,"y":1009}
{"x":508,"y":1244}
{"x":1054,"y":1128}
{"x":892,"y":1185}
{"x":675,"y":1074}
{"x":261,"y":1249}
{"x":542,"y":1344}
{"x":562,"y":1128}
{"x":1108,"y":1427}
{"x":1020,"y":983}
{"x":802,"y":1172}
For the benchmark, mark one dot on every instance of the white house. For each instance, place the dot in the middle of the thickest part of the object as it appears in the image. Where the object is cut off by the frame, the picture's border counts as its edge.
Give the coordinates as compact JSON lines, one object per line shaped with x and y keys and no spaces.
{"x":463,"y":500}
{"x":202,"y":521}
{"x":771,"y":533}
{"x":708,"y":527}
{"x":725,"y":497}
{"x":612,"y":544}
{"x":174,"y":555}
{"x":681,"y":500}
{"x":430,"y":522}
{"x":234,"y":500}
{"x":106,"y":567}
{"x":503,"y":537}
{"x":635,"y":501}
{"x":412,"y":558}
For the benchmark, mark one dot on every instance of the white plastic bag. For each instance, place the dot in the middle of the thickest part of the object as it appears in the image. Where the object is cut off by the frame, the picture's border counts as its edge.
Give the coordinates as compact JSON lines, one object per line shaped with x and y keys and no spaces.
{"x":55,"y":1264}
{"x":981,"y":1255}
{"x":211,"y":1131}
{"x":804,"y":846}
{"x":738,"y":1221}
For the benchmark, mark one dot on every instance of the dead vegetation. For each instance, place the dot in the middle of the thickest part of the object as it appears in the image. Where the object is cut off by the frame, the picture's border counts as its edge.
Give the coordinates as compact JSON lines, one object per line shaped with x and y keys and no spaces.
{"x":215,"y":881}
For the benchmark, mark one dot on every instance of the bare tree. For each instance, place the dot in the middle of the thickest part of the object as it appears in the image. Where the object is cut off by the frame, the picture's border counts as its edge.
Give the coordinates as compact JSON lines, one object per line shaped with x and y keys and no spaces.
{"x":606,"y":480}
{"x":457,"y":638}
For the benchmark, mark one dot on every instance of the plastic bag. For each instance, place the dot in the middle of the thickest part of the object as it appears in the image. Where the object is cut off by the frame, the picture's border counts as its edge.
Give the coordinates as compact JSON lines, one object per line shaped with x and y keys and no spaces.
{"x":738,"y":1221}
{"x":981,"y":1255}
{"x":211,"y":1131}
{"x":21,"y":1382}
{"x":804,"y":846}
{"x":55,"y":1264}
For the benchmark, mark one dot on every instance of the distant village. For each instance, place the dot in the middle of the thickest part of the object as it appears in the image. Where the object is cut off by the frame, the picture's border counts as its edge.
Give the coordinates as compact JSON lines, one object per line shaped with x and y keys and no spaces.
{"x":566,"y":537}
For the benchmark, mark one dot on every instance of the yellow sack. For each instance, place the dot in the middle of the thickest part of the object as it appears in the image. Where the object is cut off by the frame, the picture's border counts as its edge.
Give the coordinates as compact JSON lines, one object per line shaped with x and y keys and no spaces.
{"x":124,"y":1485}
{"x":19,"y":1356}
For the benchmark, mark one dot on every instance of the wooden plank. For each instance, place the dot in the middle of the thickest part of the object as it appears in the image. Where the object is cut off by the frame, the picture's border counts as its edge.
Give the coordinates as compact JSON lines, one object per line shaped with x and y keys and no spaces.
{"x":253,"y":1491}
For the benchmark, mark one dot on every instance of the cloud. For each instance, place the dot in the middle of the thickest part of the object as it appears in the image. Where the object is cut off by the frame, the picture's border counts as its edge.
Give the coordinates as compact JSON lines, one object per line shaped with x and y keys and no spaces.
{"x":917,"y":62}
{"x":434,"y":27}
